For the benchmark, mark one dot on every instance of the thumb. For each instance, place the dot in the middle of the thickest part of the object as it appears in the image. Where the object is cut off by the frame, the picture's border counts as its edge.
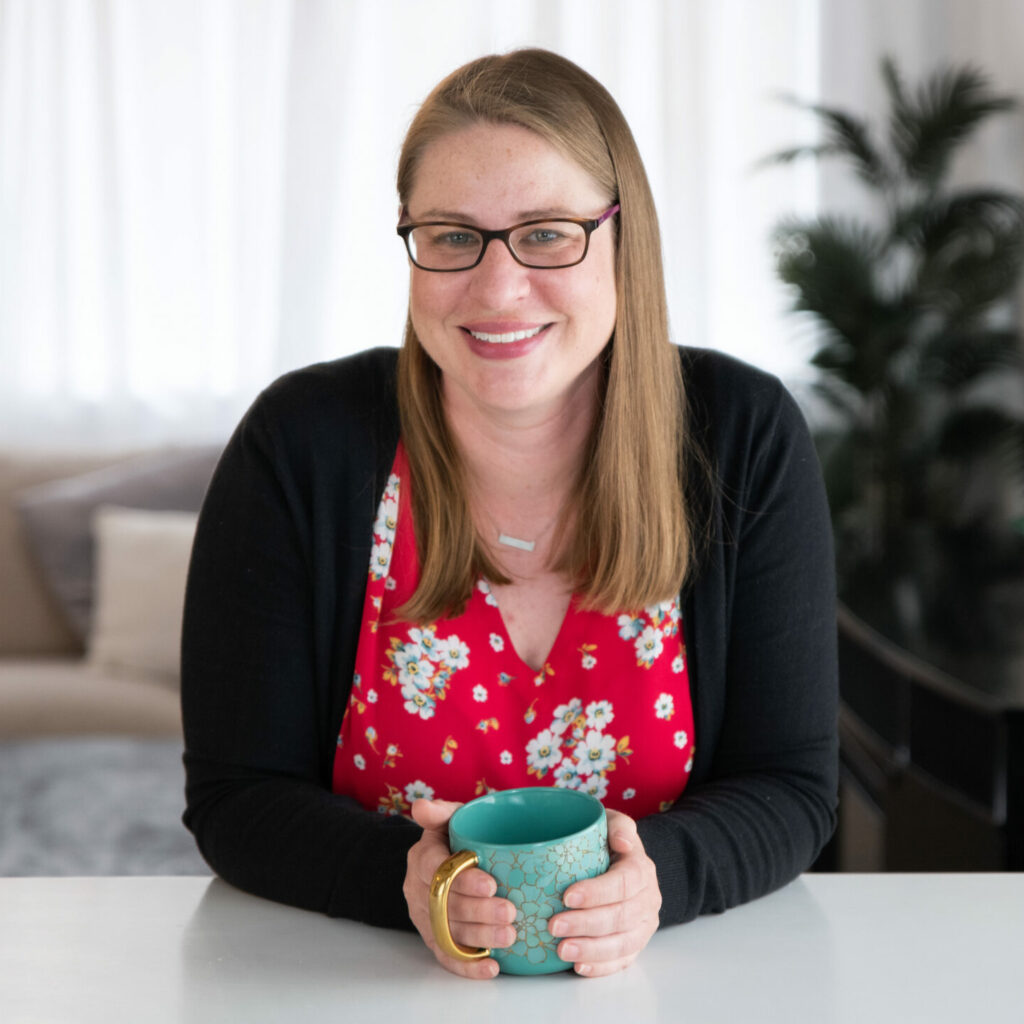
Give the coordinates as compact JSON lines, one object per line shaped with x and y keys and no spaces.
{"x":433,"y":814}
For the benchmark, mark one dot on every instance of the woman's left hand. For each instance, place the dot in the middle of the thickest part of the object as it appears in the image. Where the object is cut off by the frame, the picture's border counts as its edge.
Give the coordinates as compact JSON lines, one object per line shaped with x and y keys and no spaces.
{"x":614,"y":915}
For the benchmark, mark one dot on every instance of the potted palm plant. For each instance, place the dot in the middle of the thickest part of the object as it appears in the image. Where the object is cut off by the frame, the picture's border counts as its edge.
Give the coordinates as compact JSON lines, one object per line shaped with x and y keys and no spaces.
{"x":921,"y":375}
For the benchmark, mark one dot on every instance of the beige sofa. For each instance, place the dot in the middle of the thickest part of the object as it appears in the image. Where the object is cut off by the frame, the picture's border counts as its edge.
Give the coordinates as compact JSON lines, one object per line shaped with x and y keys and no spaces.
{"x":76,"y":658}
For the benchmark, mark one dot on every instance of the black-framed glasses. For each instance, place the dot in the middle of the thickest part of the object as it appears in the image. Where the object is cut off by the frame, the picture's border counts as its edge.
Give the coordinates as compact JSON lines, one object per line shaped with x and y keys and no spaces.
{"x":548,"y":244}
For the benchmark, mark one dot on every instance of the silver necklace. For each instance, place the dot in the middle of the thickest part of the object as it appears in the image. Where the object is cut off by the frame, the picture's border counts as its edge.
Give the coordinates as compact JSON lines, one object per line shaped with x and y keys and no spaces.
{"x":508,"y":541}
{"x":516,"y":542}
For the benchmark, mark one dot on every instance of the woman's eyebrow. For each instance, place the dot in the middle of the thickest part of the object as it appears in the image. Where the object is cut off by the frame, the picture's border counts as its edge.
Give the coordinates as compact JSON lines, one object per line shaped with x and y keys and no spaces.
{"x":451,"y":216}
{"x":547,"y":213}
{"x":459,"y":217}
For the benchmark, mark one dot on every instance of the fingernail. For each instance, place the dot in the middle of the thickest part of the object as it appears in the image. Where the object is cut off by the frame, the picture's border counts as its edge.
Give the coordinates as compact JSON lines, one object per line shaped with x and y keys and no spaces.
{"x":573,"y":899}
{"x":569,"y":951}
{"x":583,"y":968}
{"x":557,"y":928}
{"x":624,"y":840}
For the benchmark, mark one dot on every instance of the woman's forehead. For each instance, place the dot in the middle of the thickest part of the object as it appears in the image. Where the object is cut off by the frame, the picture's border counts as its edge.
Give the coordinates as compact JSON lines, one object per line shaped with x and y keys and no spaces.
{"x":479,"y":170}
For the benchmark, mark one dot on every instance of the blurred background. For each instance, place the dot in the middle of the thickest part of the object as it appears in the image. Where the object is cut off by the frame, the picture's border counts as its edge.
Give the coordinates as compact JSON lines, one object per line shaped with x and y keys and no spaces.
{"x":198,"y":195}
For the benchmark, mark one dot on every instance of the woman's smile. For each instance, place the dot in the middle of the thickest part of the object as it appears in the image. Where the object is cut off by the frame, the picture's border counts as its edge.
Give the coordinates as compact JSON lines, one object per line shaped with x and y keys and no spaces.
{"x":504,"y":340}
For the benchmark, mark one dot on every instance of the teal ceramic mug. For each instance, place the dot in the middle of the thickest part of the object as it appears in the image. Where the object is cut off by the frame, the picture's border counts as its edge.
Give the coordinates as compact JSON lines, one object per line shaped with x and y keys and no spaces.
{"x":536,"y":842}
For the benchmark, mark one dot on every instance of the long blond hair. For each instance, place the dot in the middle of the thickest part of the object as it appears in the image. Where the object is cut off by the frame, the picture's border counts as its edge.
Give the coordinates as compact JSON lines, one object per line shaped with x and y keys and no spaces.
{"x":631,"y":544}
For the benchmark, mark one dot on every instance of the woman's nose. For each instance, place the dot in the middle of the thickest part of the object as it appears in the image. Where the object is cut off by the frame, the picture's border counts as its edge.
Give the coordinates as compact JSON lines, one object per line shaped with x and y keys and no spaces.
{"x":498,"y":278}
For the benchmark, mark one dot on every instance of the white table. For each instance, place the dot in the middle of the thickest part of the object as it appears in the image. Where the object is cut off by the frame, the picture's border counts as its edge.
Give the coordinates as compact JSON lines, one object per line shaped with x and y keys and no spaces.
{"x":828,"y":948}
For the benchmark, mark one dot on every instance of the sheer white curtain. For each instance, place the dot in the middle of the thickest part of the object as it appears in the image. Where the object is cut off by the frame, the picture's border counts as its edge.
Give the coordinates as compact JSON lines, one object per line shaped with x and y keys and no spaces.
{"x":198,"y":196}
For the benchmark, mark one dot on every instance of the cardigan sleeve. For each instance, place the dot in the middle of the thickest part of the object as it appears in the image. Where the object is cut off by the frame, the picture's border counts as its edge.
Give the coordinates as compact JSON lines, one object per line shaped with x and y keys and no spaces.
{"x":261,"y":664}
{"x":761,"y":640}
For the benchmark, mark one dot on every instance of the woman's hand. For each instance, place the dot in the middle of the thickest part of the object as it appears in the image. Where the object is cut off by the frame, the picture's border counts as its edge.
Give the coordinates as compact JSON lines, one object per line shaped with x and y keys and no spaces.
{"x":615,"y":914}
{"x":476,"y":916}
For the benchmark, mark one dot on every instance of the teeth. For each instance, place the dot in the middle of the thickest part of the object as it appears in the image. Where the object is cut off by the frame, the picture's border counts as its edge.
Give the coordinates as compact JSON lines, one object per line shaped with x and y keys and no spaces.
{"x":504,"y":339}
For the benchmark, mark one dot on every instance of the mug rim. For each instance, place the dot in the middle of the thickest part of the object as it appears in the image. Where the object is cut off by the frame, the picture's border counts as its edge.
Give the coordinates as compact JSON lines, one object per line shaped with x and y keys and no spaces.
{"x":565,"y":837}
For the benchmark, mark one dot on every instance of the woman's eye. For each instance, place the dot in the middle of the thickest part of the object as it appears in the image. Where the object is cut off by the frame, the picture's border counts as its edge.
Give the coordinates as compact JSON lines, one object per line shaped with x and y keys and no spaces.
{"x":543,"y":236}
{"x":455,"y":239}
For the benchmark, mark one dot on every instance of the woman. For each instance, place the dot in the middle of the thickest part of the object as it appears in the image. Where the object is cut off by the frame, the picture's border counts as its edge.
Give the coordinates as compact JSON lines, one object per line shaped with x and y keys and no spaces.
{"x":595,"y":560}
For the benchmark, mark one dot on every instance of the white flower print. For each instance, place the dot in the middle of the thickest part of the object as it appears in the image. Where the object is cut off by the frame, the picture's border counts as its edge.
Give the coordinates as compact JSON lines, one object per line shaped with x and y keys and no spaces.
{"x":689,"y":763}
{"x":648,"y":646}
{"x":599,"y":714}
{"x":426,"y":640}
{"x":588,"y":661}
{"x":543,"y":752}
{"x":629,"y":626}
{"x":566,"y":775}
{"x":479,"y":693}
{"x":680,"y":739}
{"x":413,"y":668}
{"x":380,"y":559}
{"x":419,"y":790}
{"x":678,"y":664}
{"x":565,"y":715}
{"x":453,"y":653}
{"x":417,"y":702}
{"x":485,"y":588}
{"x":665,"y":706}
{"x":595,"y":785}
{"x":359,"y":761}
{"x":497,"y":643}
{"x":387,"y":515}
{"x":595,"y":753}
{"x":663,"y":609}
{"x":505,"y":757}
{"x":628,"y":794}
{"x":371,"y":696}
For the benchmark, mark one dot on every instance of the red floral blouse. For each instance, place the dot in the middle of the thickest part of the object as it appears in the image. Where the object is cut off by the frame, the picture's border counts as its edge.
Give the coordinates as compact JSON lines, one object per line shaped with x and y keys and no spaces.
{"x":450,"y":711}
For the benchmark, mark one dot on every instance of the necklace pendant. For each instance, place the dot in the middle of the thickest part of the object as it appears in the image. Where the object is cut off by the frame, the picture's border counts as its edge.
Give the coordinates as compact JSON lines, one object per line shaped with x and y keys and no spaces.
{"x":515,"y":542}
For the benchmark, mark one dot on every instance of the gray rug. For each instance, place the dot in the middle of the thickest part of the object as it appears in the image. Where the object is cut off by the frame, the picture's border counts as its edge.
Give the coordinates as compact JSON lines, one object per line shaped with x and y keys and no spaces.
{"x":107,"y":806}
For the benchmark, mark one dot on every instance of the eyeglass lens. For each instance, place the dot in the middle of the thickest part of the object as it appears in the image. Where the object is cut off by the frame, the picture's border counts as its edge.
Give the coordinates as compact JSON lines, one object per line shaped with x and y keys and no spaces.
{"x":553,"y":243}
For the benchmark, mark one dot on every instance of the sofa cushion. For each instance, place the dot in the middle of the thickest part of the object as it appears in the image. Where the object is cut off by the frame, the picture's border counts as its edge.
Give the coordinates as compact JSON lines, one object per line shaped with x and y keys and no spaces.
{"x":31,"y":620}
{"x":57,"y":516}
{"x":60,"y":696}
{"x":141,"y":564}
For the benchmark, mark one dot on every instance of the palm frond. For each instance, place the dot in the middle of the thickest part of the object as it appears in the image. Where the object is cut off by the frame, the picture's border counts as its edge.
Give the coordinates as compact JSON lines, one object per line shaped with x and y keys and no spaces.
{"x":966,"y":281}
{"x":843,"y":399}
{"x":932,"y":222}
{"x":788,"y":156}
{"x":830,"y":262}
{"x":846,"y":135}
{"x":970,"y":250}
{"x":926,"y":129}
{"x":893,"y":82}
{"x":954,"y":361}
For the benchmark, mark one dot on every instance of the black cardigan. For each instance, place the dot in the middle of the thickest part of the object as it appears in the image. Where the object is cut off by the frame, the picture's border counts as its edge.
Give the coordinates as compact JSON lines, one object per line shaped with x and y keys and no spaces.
{"x":275,"y":597}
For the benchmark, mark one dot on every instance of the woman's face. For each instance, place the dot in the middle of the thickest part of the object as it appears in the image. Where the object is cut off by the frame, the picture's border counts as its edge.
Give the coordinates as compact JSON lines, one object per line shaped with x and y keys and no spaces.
{"x":494,"y":176}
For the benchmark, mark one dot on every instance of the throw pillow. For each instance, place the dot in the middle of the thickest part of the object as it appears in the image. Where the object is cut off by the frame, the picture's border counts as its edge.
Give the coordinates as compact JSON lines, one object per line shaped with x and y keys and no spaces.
{"x":141,"y":565}
{"x":57,"y":516}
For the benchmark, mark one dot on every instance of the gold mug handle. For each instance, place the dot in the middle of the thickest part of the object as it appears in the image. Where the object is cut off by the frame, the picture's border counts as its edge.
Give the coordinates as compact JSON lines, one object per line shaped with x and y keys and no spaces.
{"x":440,"y":886}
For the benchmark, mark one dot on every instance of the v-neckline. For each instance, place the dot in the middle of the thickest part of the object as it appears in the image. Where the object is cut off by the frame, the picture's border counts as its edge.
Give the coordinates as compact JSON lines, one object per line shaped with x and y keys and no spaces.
{"x":506,"y":634}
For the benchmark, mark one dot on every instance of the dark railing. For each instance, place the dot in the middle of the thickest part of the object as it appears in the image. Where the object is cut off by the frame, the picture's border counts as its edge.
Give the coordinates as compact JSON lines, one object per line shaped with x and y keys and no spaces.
{"x":932,"y":760}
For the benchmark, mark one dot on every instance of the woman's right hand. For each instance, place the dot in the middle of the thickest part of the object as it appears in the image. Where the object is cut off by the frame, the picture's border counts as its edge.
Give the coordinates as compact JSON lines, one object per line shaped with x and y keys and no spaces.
{"x":477,"y":917}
